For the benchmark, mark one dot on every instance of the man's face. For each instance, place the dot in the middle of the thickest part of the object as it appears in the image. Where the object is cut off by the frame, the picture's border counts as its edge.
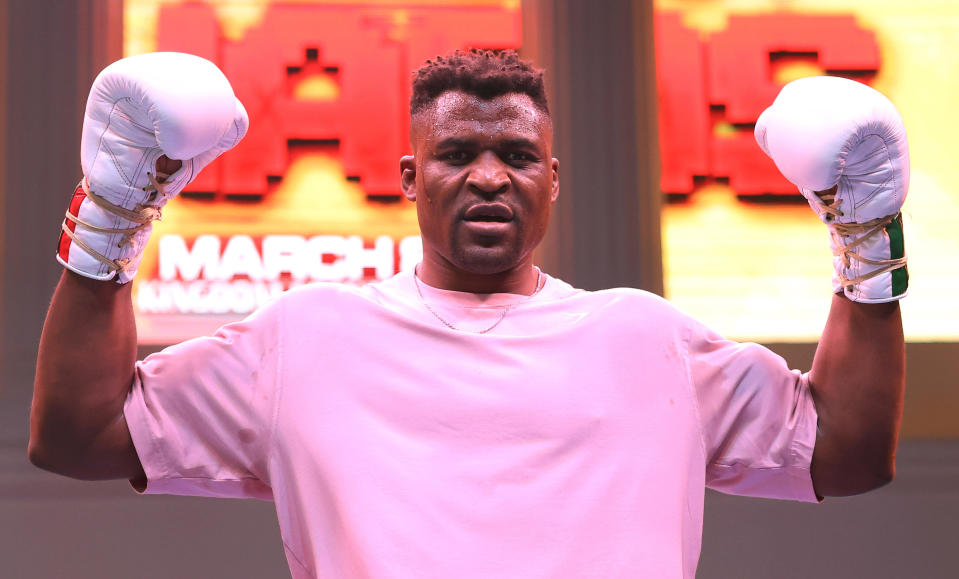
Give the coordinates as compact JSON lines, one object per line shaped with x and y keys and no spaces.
{"x":483,"y":179}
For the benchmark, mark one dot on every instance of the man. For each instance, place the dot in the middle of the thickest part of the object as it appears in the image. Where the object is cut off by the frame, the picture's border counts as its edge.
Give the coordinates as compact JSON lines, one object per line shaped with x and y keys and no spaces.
{"x":476,"y":418}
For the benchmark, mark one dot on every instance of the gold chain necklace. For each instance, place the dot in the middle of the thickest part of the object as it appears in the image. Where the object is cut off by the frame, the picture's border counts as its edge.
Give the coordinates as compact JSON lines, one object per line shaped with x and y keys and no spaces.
{"x":506,"y":310}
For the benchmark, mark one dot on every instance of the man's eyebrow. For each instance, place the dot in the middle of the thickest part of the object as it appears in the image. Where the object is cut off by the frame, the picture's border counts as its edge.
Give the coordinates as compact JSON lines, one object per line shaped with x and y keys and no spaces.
{"x":520,"y":143}
{"x":454,"y":142}
{"x":509,"y":143}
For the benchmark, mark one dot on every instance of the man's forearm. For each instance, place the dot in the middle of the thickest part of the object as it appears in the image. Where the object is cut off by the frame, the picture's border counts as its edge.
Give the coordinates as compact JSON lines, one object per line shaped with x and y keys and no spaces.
{"x":85,"y":368}
{"x":858,"y":383}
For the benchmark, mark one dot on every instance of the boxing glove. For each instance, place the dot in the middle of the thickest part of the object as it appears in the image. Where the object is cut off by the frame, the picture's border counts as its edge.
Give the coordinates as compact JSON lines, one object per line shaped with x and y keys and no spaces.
{"x":139,"y":109}
{"x":843,"y":144}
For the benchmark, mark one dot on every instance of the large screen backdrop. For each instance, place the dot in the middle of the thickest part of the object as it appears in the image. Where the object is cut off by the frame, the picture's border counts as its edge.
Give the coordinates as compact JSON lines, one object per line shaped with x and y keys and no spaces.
{"x":312,"y":193}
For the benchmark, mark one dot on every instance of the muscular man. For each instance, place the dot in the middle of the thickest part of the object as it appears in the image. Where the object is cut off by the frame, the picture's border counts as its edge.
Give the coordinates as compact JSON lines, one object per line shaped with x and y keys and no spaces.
{"x":476,"y":418}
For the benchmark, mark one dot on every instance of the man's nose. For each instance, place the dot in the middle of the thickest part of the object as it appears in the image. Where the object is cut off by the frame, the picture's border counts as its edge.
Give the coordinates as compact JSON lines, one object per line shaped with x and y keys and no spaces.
{"x":488,"y":175}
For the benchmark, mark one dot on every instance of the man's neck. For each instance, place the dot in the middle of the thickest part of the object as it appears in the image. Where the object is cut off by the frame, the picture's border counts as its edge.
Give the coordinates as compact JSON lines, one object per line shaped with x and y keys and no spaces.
{"x":518,"y":280}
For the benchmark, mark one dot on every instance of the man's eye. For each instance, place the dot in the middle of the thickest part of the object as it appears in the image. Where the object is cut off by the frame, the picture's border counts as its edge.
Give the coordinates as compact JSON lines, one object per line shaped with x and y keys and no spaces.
{"x":455,"y":156}
{"x":515,"y":157}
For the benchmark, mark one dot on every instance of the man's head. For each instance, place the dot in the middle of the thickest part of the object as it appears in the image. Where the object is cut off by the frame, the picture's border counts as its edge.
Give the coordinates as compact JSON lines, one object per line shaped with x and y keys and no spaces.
{"x":482,"y":172}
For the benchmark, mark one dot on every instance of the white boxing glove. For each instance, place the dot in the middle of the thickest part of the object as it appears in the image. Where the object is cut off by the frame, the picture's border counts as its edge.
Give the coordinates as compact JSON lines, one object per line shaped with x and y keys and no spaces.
{"x":847,"y":142}
{"x":141,"y":108}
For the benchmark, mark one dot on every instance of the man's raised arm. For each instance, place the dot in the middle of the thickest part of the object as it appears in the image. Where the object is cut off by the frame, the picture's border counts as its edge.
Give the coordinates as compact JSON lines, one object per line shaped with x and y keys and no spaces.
{"x":858,"y":382}
{"x":844,"y":145}
{"x":143,"y":113}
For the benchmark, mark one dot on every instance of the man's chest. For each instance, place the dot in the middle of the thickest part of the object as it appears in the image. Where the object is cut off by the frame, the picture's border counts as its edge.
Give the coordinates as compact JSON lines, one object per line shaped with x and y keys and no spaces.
{"x":491,"y":448}
{"x":432,"y":396}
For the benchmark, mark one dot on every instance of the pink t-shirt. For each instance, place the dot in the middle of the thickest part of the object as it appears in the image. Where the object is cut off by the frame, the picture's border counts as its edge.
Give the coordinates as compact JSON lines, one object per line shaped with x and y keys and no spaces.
{"x":575,"y":439}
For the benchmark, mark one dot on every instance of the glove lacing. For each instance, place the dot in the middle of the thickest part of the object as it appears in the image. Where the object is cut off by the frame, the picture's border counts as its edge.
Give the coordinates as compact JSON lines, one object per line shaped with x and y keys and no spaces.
{"x":838,"y":231}
{"x":142,"y":214}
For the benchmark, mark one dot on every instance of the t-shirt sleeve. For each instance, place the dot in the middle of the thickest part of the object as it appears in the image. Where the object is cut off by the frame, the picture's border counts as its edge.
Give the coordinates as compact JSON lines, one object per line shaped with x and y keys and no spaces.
{"x":758,"y":418}
{"x":201,"y":413}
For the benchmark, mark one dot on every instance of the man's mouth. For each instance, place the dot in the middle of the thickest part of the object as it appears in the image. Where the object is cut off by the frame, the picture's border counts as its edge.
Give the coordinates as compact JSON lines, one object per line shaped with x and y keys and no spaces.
{"x":489,"y":218}
{"x":489,"y":213}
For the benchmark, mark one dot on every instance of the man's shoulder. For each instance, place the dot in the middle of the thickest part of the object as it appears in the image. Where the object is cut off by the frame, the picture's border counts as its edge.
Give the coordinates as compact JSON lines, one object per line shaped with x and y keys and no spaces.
{"x":318,"y":298}
{"x":321,"y":289}
{"x":632,"y":307}
{"x":623,"y":297}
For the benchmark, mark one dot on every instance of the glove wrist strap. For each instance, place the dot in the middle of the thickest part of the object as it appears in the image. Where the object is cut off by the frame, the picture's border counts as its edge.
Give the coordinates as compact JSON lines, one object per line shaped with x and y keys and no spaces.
{"x":862,"y":233}
{"x":142,"y":214}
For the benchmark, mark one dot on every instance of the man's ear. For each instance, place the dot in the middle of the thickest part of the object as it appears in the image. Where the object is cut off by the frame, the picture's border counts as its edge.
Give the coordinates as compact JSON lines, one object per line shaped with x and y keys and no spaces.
{"x":408,"y":176}
{"x":554,"y":193}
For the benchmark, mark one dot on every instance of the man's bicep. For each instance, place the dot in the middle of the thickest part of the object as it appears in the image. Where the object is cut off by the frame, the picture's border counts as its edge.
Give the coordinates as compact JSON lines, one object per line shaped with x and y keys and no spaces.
{"x":124,"y":453}
{"x":109,"y":455}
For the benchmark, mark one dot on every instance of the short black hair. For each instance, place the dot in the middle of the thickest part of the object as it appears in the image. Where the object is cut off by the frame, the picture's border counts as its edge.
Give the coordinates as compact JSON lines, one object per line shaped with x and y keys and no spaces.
{"x":483,"y":73}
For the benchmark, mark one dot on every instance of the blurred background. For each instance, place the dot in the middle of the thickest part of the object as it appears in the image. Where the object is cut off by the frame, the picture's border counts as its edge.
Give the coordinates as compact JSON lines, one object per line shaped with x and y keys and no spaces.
{"x":662,"y":188}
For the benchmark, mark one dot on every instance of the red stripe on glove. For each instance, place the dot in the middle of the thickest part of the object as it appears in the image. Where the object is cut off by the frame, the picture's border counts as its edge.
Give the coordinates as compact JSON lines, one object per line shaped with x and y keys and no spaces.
{"x":65,"y":241}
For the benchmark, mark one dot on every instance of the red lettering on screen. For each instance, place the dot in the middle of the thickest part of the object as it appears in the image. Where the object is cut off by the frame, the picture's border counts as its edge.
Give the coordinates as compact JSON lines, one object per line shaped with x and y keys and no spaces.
{"x":683,"y":113}
{"x":712,"y":91}
{"x":368,"y":51}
